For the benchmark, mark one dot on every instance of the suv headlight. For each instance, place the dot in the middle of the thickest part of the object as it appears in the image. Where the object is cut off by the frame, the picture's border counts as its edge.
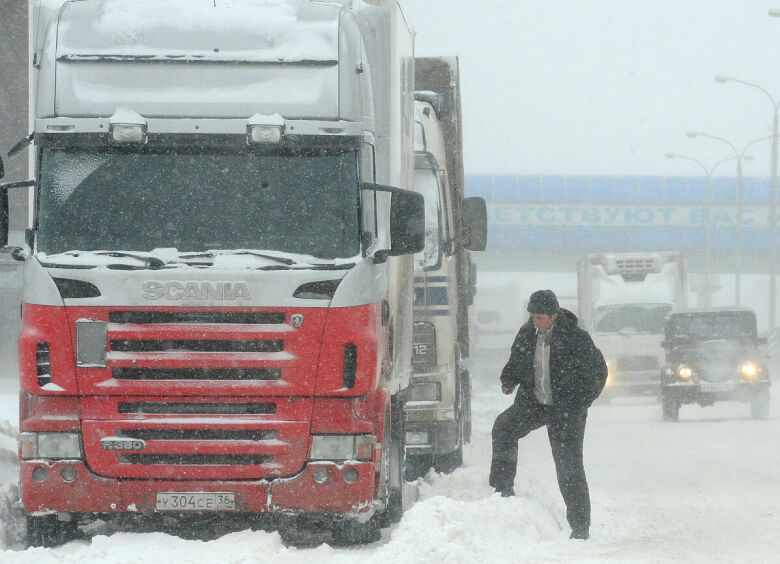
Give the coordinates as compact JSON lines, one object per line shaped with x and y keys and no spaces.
{"x":685,"y":372}
{"x":749,"y":370}
{"x":50,"y":445}
{"x":341,"y":447}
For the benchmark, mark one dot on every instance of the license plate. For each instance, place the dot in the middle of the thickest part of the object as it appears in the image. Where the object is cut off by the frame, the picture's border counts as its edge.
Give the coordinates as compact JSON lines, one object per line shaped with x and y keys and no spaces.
{"x":196,"y":501}
{"x":718,"y":386}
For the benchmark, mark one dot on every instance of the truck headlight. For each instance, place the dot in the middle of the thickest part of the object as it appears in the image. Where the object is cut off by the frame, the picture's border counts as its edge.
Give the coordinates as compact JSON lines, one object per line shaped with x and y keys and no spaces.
{"x":341,"y":447}
{"x":50,"y":445}
{"x":426,"y":391}
{"x":685,"y":372}
{"x":749,"y":370}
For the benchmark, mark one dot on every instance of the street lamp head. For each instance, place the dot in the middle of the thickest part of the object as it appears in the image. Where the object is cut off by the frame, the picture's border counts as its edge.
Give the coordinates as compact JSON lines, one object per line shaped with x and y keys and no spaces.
{"x":722,"y":79}
{"x":692,"y":134}
{"x":670,"y":155}
{"x":774,"y":12}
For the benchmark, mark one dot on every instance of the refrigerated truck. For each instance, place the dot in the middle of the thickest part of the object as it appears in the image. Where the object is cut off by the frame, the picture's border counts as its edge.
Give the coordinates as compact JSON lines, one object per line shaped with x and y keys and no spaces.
{"x":217,"y":286}
{"x":438,"y":415}
{"x":624,"y":299}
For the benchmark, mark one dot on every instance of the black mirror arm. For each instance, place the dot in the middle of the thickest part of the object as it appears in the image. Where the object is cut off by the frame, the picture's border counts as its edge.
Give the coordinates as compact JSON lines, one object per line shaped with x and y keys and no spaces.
{"x":21,"y":146}
{"x":18,"y":184}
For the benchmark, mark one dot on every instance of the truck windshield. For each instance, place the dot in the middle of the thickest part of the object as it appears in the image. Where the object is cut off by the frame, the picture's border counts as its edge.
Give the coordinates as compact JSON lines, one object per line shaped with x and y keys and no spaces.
{"x":708,"y":327}
{"x":631,"y":318}
{"x":109,"y":199}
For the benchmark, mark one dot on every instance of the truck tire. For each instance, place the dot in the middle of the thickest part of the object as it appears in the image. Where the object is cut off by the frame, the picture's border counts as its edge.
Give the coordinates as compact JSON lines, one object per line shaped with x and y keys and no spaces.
{"x":759,"y":405}
{"x":397,"y":452}
{"x":467,"y":407}
{"x":349,"y":532}
{"x":448,"y":463}
{"x":48,"y":531}
{"x":417,"y":466}
{"x":670,"y":408}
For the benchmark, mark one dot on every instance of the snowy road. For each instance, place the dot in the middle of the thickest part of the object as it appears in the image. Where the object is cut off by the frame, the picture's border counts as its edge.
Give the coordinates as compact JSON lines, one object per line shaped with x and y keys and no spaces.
{"x":705,"y":489}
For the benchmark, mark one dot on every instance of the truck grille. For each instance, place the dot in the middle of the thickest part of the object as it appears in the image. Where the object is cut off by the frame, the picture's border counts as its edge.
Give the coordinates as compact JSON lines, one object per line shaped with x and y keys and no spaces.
{"x":196,"y":408}
{"x":197,"y":434}
{"x":196,"y":373}
{"x":194,"y":459}
{"x":237,"y":317}
{"x":197,"y":346}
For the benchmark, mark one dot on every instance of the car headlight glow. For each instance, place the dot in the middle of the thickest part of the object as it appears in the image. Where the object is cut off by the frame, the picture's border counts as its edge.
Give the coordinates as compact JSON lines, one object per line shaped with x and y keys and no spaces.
{"x":749,"y":370}
{"x":685,"y":372}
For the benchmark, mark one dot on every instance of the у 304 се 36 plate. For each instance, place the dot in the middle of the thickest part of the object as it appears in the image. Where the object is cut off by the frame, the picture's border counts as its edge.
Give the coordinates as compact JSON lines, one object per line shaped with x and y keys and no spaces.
{"x":195,"y":501}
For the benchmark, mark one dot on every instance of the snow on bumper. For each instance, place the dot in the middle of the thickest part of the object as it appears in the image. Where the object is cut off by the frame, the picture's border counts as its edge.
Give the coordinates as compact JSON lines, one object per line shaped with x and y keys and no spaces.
{"x":336,"y":488}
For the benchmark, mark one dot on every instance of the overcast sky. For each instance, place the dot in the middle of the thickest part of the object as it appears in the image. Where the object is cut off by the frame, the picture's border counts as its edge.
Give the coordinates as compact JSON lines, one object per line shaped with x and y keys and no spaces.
{"x":607,"y":86}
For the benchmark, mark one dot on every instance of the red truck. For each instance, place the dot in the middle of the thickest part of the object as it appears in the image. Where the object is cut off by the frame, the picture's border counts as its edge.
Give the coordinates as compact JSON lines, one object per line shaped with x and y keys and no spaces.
{"x":217,"y":288}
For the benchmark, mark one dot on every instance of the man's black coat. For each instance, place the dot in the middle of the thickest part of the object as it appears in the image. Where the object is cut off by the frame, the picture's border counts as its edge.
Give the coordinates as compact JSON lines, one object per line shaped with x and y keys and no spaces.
{"x":577,"y":368}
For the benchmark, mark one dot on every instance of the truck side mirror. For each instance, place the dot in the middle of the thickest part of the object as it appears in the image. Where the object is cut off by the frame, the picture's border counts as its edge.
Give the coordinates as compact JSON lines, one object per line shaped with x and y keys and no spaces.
{"x":2,"y":169}
{"x":407,"y":221}
{"x":474,"y":235}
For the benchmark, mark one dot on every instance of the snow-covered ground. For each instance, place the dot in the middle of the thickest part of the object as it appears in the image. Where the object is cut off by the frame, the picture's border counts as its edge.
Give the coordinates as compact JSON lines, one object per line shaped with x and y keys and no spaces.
{"x":706,"y":489}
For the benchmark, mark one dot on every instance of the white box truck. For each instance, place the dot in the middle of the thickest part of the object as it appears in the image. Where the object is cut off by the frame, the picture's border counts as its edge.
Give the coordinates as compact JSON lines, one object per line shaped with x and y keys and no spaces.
{"x":623,"y":300}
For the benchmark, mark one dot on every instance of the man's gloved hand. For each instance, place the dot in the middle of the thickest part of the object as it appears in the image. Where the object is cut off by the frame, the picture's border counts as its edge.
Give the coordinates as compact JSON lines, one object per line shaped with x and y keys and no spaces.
{"x":507,"y":389}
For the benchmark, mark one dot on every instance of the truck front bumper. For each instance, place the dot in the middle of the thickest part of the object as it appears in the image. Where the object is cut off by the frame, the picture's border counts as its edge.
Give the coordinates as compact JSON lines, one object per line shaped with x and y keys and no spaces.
{"x":349,"y":489}
{"x":693,"y":392}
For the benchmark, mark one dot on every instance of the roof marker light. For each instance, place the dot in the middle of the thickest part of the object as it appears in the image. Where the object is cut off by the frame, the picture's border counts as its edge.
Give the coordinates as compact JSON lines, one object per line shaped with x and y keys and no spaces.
{"x":127,"y":127}
{"x":265,"y":128}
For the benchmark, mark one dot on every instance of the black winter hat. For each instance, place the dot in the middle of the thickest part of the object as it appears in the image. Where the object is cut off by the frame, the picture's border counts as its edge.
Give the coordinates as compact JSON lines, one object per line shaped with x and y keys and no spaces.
{"x":543,"y":301}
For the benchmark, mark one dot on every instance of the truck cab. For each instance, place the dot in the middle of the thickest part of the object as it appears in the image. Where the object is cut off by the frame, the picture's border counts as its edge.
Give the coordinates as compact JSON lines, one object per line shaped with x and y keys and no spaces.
{"x":438,"y":413}
{"x":217,"y":286}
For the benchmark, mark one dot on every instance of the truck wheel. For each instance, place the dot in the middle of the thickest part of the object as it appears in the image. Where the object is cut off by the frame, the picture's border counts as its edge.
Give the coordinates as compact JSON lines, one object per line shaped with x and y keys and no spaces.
{"x":417,"y":466}
{"x":670,"y":408}
{"x":350,"y":532}
{"x":48,"y":531}
{"x":397,"y":451}
{"x":467,"y":407}
{"x":759,"y":405}
{"x":448,"y":463}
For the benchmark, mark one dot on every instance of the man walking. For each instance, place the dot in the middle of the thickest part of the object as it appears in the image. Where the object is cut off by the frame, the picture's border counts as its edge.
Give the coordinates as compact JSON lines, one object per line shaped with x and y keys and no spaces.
{"x":559,"y":372}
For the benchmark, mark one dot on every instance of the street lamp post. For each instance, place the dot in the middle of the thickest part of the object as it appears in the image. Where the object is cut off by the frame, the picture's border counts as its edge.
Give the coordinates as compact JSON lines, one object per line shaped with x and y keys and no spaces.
{"x":739,"y":156}
{"x":772,"y":193}
{"x":707,"y":301}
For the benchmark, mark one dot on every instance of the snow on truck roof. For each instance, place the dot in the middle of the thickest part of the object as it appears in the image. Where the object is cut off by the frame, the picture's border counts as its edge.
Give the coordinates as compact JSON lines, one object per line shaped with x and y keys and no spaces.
{"x":204,"y":30}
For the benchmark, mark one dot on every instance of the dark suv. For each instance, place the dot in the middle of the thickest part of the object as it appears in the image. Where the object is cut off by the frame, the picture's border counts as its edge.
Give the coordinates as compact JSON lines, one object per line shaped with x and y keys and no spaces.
{"x":714,"y":355}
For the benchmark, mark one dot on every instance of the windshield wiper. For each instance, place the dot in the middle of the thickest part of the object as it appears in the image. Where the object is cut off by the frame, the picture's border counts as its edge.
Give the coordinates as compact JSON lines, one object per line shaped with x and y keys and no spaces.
{"x":283,"y":260}
{"x":149,"y":261}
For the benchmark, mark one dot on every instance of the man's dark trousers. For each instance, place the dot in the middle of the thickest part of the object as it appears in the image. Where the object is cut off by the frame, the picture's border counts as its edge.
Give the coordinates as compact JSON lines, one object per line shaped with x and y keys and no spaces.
{"x":566,"y":431}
